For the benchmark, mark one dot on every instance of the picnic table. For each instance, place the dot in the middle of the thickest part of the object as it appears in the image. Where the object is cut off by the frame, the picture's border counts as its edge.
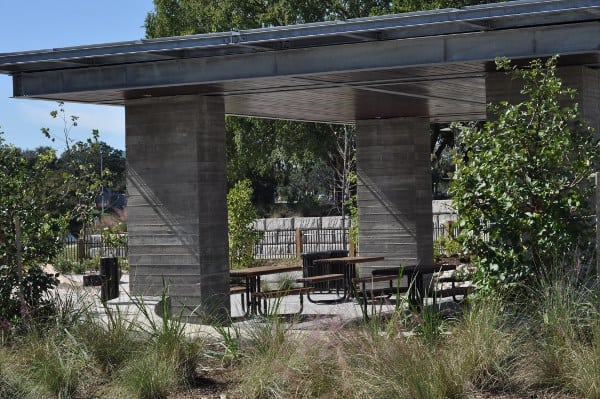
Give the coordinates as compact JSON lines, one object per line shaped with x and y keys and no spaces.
{"x":417,"y":289}
{"x":415,"y":274}
{"x":347,"y":276}
{"x":253,"y":294}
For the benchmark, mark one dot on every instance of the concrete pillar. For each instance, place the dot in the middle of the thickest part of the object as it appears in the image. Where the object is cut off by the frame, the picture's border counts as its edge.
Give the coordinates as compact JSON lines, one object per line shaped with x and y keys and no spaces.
{"x":177,"y":208}
{"x":394,"y":192}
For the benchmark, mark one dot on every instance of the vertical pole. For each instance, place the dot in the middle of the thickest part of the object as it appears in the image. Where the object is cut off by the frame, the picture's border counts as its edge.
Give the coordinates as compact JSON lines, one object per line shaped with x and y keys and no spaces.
{"x":19,"y":260}
{"x":299,"y":248}
{"x":80,"y":249}
{"x":597,"y":226}
{"x":344,"y":185}
{"x":352,"y":249}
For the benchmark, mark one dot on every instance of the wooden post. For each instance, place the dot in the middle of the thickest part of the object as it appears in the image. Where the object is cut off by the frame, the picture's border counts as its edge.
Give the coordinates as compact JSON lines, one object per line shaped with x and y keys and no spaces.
{"x":352,"y":247}
{"x":81,"y":249}
{"x":299,"y":249}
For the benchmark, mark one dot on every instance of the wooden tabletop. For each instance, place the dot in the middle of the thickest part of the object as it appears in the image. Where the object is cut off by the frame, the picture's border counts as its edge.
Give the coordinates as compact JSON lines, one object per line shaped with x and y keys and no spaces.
{"x":423,"y":269}
{"x":262,"y":270}
{"x":350,"y":259}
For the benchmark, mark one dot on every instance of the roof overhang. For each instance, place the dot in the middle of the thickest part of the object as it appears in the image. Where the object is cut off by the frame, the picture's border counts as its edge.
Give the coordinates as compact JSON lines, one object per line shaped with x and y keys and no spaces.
{"x":417,"y":64}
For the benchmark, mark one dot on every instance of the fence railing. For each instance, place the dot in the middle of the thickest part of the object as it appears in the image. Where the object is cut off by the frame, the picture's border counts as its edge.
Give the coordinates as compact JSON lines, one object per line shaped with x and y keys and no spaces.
{"x":282,"y":244}
{"x":93,"y":246}
{"x":276,"y":244}
{"x":443,"y":230}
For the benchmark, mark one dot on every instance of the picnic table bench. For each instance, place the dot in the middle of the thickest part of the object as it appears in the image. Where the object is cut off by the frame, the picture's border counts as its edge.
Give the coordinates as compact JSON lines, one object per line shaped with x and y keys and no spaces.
{"x":367,"y":291}
{"x":417,"y":292}
{"x":315,"y":281}
{"x":252,"y":287}
{"x":277,"y":294}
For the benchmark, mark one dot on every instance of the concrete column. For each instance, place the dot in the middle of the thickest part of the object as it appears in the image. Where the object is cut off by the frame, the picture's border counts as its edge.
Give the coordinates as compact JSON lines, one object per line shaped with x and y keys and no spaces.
{"x":394,"y":192}
{"x":177,"y":208}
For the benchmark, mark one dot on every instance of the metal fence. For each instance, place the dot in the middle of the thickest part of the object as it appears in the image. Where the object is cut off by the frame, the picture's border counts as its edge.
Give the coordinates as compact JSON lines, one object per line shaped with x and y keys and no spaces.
{"x":443,"y":230}
{"x":276,"y":244}
{"x":92,"y":246}
{"x":281,"y":244}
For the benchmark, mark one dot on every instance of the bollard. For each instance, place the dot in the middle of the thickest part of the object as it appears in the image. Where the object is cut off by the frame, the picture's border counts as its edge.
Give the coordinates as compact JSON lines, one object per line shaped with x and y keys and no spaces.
{"x":109,"y":272}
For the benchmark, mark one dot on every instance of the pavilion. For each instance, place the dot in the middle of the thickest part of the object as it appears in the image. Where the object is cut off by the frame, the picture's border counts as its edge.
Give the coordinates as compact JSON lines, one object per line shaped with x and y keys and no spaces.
{"x":391,"y":76}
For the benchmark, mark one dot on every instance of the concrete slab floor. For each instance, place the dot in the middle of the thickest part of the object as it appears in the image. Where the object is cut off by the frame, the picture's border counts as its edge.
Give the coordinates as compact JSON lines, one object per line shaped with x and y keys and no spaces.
{"x":320,"y":317}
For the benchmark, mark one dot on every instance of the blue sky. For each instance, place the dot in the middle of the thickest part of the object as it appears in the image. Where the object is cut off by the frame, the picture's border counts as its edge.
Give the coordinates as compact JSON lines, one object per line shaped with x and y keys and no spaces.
{"x":42,"y":24}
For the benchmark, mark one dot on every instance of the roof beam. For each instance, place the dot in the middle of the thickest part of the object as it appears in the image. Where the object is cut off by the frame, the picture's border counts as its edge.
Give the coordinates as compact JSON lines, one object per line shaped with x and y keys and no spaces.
{"x":470,"y":47}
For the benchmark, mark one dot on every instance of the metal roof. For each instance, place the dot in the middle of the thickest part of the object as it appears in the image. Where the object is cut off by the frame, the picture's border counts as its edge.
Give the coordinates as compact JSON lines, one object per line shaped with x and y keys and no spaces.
{"x":389,"y":27}
{"x":424,"y":63}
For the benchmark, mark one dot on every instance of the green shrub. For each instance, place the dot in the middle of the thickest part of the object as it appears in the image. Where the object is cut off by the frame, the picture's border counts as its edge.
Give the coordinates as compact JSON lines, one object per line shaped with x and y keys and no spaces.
{"x":34,"y":287}
{"x":242,"y":235}
{"x":63,"y":265}
{"x":523,"y":182}
{"x":446,"y":246}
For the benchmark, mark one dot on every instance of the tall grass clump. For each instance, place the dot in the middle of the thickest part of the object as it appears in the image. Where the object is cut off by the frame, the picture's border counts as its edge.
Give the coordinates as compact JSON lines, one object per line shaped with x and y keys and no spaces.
{"x":278,"y":362}
{"x":55,"y":363}
{"x":482,"y":346}
{"x":382,"y":359}
{"x":151,"y":376}
{"x":562,"y":349}
{"x":166,"y":360}
{"x":12,"y":382}
{"x":111,"y":340}
{"x":583,"y":375}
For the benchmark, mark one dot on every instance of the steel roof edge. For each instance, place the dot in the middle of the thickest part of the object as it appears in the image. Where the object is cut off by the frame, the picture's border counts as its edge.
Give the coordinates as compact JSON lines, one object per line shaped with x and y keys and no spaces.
{"x":515,"y":10}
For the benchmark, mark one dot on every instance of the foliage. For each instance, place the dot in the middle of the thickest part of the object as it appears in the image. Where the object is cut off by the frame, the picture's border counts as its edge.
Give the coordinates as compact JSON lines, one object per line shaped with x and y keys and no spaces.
{"x":82,"y":182}
{"x":523,"y":186}
{"x":446,"y":246}
{"x":442,"y":144}
{"x":83,"y":171}
{"x":170,"y":358}
{"x":40,"y":195}
{"x":67,"y":266}
{"x":30,"y":235}
{"x":185,"y":17}
{"x":353,"y":210}
{"x":33,"y":285}
{"x":242,"y":234}
{"x":280,"y":158}
{"x":113,"y":240}
{"x":343,"y":162}
{"x":28,"y":195}
{"x":547,"y":346}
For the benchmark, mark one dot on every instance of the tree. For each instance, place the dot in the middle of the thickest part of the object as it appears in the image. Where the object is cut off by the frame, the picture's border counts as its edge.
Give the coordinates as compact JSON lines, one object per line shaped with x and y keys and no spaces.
{"x":344,"y":166}
{"x":83,"y":171}
{"x":186,"y":17}
{"x":30,"y":233}
{"x":522,"y":184}
{"x":442,"y":166}
{"x":277,"y":156}
{"x":242,"y":235}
